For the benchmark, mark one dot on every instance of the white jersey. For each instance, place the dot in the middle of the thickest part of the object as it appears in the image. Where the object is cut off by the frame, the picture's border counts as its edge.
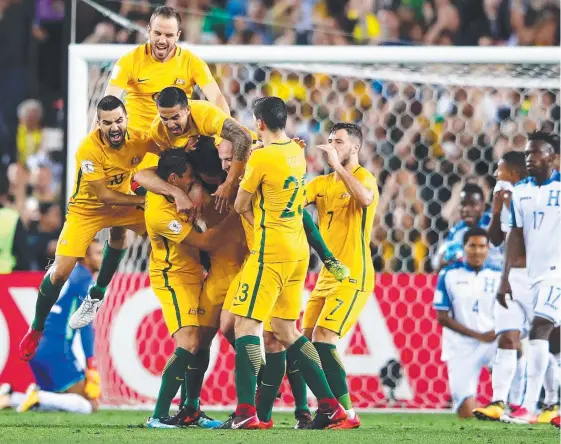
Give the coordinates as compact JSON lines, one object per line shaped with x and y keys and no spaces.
{"x":537,"y":210}
{"x":469,"y":296}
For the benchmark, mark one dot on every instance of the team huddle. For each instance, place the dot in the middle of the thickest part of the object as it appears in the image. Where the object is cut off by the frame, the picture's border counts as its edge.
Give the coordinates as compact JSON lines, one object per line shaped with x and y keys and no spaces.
{"x":166,"y":166}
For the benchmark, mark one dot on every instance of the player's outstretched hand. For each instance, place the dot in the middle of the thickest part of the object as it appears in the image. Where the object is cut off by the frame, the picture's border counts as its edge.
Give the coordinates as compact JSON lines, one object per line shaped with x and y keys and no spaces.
{"x":332,"y":156}
{"x":224,"y":195}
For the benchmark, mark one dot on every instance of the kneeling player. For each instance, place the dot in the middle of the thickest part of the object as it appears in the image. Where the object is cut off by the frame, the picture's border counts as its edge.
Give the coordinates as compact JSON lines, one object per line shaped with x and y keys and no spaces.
{"x":61,"y":384}
{"x":176,"y":278}
{"x":346,"y":201}
{"x":464,"y":299}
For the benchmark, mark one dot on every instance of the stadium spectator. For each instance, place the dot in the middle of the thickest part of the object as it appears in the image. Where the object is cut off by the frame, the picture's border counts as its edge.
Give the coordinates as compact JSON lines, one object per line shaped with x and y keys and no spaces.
{"x":44,"y":188}
{"x":43,"y":235}
{"x":30,"y":132}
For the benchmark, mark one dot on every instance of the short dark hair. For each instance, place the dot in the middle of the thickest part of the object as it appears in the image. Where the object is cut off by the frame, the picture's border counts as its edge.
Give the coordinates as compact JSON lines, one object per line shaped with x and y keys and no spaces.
{"x":550,"y":138}
{"x":173,"y":160}
{"x":476,"y":231}
{"x":109,"y":103}
{"x":271,"y":110}
{"x":204,"y":158}
{"x":515,"y":160}
{"x":170,"y":97}
{"x":352,"y":130}
{"x":166,"y":12}
{"x":473,"y":188}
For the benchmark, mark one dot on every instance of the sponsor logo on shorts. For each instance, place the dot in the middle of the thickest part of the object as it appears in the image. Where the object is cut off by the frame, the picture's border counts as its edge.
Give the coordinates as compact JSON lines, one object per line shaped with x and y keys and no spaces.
{"x":175,"y":227}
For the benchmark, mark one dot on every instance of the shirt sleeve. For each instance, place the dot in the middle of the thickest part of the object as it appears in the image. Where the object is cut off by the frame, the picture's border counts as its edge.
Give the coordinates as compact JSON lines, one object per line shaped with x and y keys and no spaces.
{"x":169,"y":225}
{"x":200,"y":71}
{"x":121,"y":73}
{"x":516,"y":219}
{"x":211,"y":119}
{"x":90,"y":162}
{"x":441,"y":297}
{"x":311,"y":190}
{"x":253,"y":175}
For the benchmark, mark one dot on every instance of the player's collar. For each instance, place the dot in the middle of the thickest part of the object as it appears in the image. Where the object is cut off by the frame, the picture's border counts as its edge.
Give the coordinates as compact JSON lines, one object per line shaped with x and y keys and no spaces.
{"x":553,"y":178}
{"x":468,"y":267}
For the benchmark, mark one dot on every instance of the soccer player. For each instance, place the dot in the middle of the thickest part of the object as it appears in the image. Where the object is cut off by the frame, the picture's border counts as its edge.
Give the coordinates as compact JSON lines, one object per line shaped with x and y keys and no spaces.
{"x":176,"y":278}
{"x":473,"y":214}
{"x":60,"y":382}
{"x":180,"y":120}
{"x":101,"y":199}
{"x":271,"y":198}
{"x":535,"y":230}
{"x":464,"y":300}
{"x":511,"y":323}
{"x":346,"y":201}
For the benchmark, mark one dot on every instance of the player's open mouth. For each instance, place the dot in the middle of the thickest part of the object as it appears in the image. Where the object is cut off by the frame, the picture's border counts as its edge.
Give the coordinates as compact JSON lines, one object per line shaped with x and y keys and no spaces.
{"x":115,"y":137}
{"x":176,"y":131}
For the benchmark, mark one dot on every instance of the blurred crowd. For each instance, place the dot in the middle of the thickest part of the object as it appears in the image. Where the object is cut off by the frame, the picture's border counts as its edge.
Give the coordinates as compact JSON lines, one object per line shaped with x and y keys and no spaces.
{"x":339,"y":22}
{"x":422,"y":142}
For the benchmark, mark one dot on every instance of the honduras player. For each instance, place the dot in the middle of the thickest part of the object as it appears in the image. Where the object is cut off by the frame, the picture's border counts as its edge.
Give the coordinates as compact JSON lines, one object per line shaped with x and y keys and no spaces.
{"x":61,"y":383}
{"x":510,"y":323}
{"x":472,"y":211}
{"x":464,"y":300}
{"x":535,"y":233}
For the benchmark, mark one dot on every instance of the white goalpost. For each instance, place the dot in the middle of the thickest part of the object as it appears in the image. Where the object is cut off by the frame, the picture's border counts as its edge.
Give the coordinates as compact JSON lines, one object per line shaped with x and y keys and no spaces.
{"x":433,"y":117}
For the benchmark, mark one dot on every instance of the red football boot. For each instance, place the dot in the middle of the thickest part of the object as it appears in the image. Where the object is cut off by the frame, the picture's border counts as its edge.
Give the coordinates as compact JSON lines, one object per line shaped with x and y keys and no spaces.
{"x":245,"y":418}
{"x":329,"y":413}
{"x":29,"y":343}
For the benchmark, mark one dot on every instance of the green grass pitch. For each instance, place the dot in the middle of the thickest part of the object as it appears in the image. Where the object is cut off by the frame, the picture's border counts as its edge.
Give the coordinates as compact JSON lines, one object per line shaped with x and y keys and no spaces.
{"x":110,"y":426}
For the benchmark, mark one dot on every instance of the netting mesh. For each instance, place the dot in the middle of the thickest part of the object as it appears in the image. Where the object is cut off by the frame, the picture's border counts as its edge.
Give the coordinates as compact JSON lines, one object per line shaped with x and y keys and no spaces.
{"x":428,"y":130}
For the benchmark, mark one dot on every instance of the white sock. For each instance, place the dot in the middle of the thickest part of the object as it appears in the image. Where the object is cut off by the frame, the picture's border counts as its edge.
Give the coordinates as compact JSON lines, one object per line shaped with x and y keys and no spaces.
{"x":16,"y":398}
{"x":538,"y":358}
{"x":518,"y":385}
{"x":551,"y":381}
{"x":68,"y":402}
{"x":504,"y":369}
{"x":350,"y":413}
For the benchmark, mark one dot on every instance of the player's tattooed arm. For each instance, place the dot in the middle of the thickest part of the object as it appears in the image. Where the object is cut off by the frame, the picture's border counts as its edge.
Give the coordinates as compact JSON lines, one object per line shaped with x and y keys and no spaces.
{"x":514,"y":249}
{"x":241,"y":141}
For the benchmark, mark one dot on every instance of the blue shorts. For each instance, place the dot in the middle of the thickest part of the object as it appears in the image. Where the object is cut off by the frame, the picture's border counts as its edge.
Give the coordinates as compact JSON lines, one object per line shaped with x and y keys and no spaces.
{"x":56,"y":372}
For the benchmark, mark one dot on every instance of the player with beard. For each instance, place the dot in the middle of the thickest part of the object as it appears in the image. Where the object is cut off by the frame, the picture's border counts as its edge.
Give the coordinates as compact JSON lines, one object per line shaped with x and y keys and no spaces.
{"x":101,"y":199}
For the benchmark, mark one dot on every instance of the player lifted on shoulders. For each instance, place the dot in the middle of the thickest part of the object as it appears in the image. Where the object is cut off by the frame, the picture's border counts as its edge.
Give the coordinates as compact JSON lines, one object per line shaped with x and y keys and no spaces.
{"x":61,"y":384}
{"x":271,"y":198}
{"x":176,"y":278}
{"x":104,"y":163}
{"x":535,"y":233}
{"x":464,"y":300}
{"x":346,"y":201}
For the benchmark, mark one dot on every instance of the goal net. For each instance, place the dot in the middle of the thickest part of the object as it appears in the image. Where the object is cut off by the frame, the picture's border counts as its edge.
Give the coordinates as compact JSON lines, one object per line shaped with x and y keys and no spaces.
{"x":433,"y":120}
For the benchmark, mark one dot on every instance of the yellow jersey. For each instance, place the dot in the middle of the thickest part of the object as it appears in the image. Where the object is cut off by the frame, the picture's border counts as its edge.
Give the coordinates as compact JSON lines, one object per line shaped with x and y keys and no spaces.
{"x":275,"y":175}
{"x":170,"y":260}
{"x":142,"y":76}
{"x":345,"y":226}
{"x":206,"y":118}
{"x":96,"y":160}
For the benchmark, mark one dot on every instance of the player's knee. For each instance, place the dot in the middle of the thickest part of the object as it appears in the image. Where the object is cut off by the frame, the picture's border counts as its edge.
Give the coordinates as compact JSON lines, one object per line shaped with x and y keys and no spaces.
{"x":324,"y":335}
{"x":206,"y":335}
{"x":285,"y":331}
{"x":541,"y":328}
{"x":117,"y":235}
{"x":246,"y":327}
{"x":509,"y":340}
{"x":555,"y":341}
{"x":187,"y":338}
{"x":271,"y":344}
{"x":60,"y":271}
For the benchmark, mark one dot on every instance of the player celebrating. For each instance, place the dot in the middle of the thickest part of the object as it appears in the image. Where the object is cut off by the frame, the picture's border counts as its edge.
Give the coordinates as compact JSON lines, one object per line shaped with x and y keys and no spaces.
{"x":346,"y":201}
{"x":101,"y":199}
{"x":535,"y":225}
{"x":176,"y":278}
{"x":511,"y":322}
{"x":61,"y":384}
{"x":463,"y":300}
{"x":271,"y":198}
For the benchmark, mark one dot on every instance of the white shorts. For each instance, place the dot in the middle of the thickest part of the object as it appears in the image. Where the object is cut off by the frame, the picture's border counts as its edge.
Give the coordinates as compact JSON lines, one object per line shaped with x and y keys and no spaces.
{"x":520,"y":310}
{"x":547,"y":300}
{"x":464,"y":369}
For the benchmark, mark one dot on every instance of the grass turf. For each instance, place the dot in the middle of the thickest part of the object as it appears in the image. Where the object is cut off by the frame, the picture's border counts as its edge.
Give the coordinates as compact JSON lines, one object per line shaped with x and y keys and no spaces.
{"x":110,"y":426}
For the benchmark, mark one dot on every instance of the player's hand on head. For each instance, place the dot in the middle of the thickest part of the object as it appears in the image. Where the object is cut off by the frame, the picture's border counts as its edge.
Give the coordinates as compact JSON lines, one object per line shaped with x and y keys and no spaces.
{"x":191,"y":143}
{"x":332,"y":157}
{"x":500,"y":198}
{"x":224,"y":195}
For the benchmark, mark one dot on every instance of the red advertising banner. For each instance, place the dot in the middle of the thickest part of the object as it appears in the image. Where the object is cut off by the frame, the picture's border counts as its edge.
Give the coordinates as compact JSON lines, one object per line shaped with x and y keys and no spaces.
{"x":392,"y":355}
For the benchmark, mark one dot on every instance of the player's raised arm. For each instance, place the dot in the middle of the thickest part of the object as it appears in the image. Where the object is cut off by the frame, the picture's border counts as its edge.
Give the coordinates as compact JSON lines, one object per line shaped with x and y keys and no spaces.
{"x":241,"y":141}
{"x":212,"y":238}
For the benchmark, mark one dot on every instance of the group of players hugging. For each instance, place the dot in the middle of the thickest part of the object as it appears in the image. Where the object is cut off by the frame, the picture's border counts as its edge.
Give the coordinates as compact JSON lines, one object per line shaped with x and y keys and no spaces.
{"x":210,"y":193}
